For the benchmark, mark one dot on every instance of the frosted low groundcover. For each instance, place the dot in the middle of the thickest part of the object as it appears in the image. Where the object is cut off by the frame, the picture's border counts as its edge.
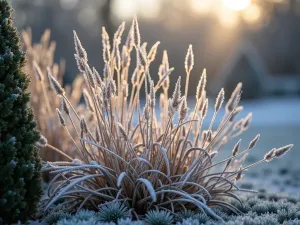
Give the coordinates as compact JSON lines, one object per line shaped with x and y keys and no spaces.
{"x":265,"y":209}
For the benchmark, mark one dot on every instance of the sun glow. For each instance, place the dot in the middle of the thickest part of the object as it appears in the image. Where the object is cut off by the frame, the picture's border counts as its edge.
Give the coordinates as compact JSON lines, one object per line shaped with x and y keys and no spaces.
{"x":237,"y":5}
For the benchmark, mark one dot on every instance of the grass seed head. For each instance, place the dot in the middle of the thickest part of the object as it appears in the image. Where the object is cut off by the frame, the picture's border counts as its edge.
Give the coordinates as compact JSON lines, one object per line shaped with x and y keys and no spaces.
{"x":219,"y":100}
{"x":189,"y":60}
{"x":234,"y":97}
{"x":64,"y":107}
{"x":183,"y":109}
{"x":176,"y":97}
{"x":54,"y":83}
{"x":254,"y":141}
{"x":61,"y":118}
{"x":247,"y":121}
{"x":118,"y":33}
{"x":136,"y":33}
{"x":80,"y":51}
{"x":152,"y":53}
{"x":201,"y":85}
{"x":282,"y":151}
{"x":236,"y":148}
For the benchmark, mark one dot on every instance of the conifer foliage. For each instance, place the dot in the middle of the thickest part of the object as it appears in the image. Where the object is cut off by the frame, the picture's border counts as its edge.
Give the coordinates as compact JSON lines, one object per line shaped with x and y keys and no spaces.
{"x":20,"y":181}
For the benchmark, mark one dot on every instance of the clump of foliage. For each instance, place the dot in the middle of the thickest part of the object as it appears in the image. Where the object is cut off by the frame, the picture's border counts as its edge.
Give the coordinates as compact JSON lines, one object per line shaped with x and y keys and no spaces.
{"x":113,"y":211}
{"x":43,"y":102}
{"x":144,"y":159}
{"x":154,"y":217}
{"x":20,"y":183}
{"x":54,"y":217}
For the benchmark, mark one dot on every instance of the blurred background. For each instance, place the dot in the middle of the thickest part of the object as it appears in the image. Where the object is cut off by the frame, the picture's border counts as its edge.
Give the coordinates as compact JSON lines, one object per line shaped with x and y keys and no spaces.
{"x":256,"y":42}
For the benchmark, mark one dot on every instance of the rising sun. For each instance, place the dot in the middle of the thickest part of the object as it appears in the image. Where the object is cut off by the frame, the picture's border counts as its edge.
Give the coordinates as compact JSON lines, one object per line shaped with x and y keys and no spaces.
{"x":237,"y":4}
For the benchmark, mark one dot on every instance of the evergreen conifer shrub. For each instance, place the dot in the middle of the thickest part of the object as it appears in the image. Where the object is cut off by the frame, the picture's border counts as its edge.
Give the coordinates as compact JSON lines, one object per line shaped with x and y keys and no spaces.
{"x":20,"y":181}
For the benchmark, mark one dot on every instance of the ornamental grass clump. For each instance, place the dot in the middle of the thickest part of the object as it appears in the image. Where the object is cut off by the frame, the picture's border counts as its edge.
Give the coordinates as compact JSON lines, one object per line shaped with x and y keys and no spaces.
{"x":130,"y":154}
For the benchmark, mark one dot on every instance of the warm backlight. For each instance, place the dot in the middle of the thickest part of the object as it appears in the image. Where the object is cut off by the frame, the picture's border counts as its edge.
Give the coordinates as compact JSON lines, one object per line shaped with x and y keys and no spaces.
{"x":237,"y":4}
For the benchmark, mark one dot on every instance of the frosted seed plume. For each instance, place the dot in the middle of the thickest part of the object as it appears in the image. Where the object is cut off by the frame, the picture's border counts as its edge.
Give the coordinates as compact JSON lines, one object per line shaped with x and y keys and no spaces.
{"x":254,"y":141}
{"x":239,"y":174}
{"x":201,"y":85}
{"x":129,"y":40}
{"x":136,"y":32}
{"x":54,"y":83}
{"x":219,"y":100}
{"x":204,"y":108}
{"x":143,"y":57}
{"x":61,"y":118}
{"x":90,"y":75}
{"x":282,"y":151}
{"x":152,"y":53}
{"x":183,"y":109}
{"x":125,"y":57}
{"x":171,"y":110}
{"x":247,"y":121}
{"x":234,"y":97}
{"x":165,"y":61}
{"x":176,"y":97}
{"x":146,"y":109}
{"x":144,"y":46}
{"x":105,"y":45}
{"x":106,"y":71}
{"x":65,"y":107}
{"x":161,"y":70}
{"x":119,"y":32}
{"x":80,"y":51}
{"x":97,"y":77}
{"x":202,"y":100}
{"x":135,"y":77}
{"x":189,"y":60}
{"x":236,"y":148}
{"x":117,"y":58}
{"x":80,"y":63}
